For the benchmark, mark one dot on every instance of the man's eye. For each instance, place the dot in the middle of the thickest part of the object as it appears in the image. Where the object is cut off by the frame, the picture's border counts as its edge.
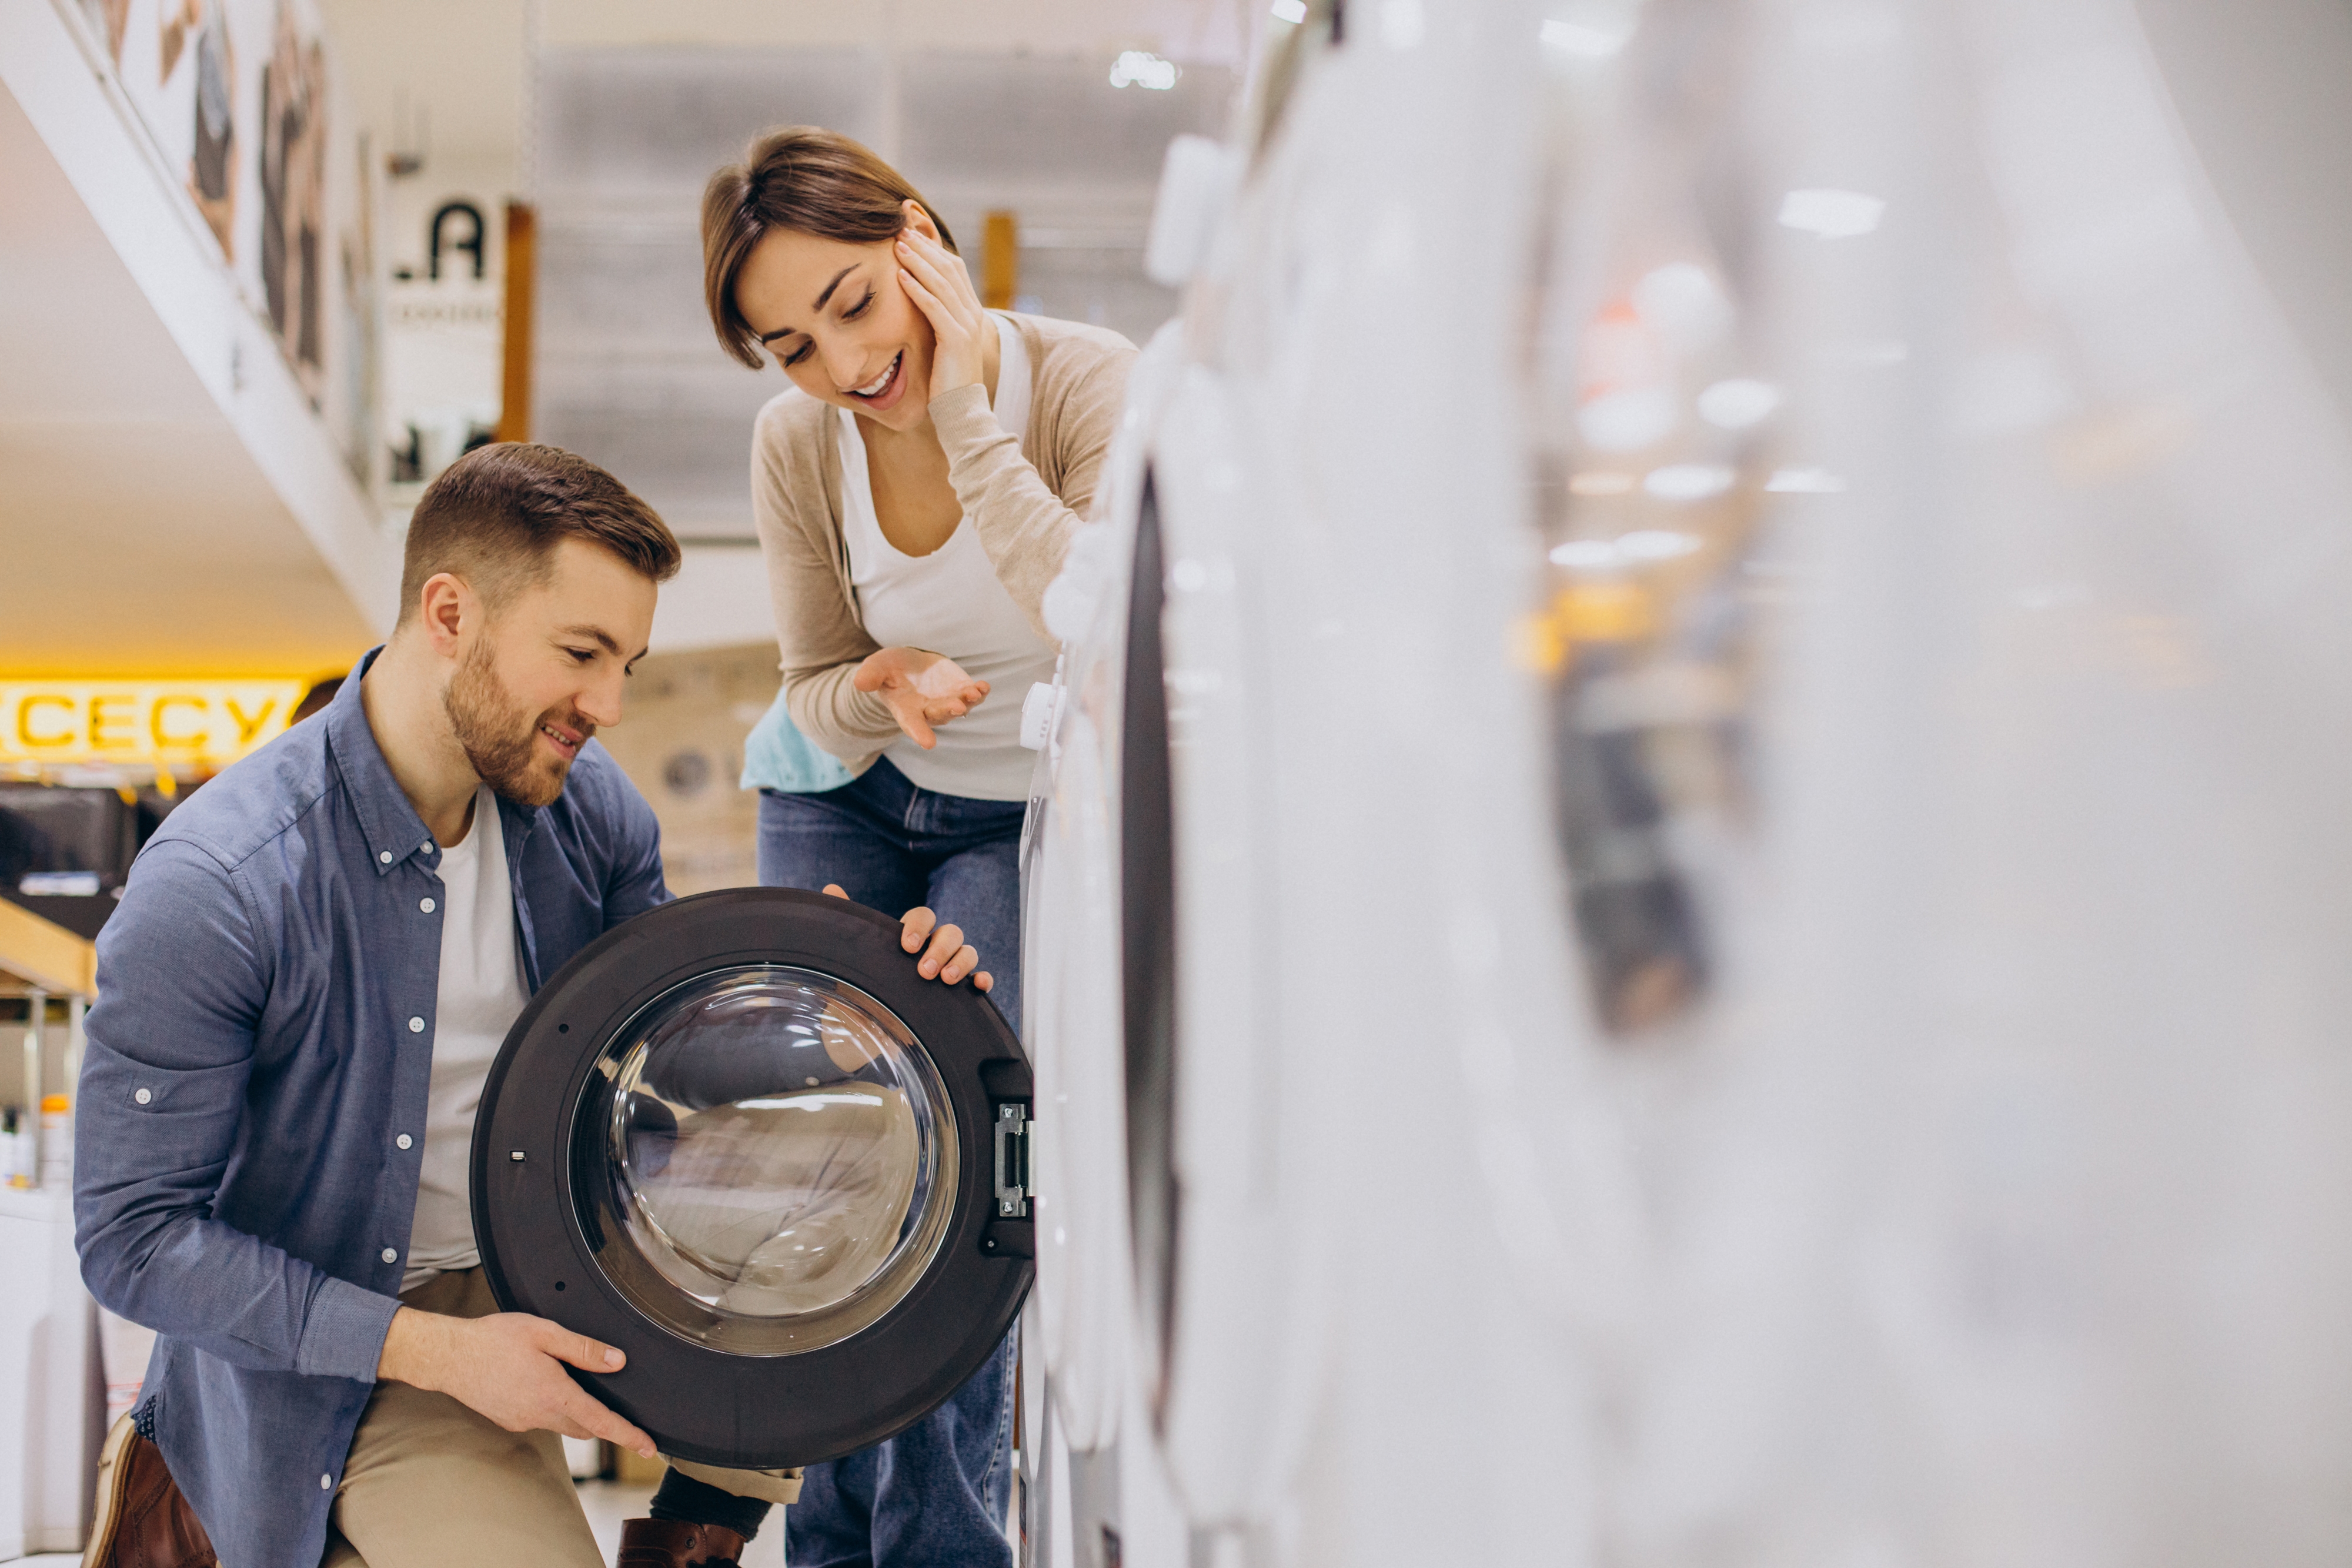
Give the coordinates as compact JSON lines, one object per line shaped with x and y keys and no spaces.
{"x":585,"y":655}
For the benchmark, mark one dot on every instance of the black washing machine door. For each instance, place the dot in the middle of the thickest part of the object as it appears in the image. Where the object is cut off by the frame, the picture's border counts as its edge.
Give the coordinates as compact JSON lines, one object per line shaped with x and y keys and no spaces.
{"x":741,"y":1138}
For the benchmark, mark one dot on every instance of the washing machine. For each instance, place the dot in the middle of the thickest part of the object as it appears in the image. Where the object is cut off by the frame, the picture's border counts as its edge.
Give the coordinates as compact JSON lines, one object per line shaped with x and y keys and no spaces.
{"x":741,"y":1138}
{"x":1341,"y":1367}
{"x":1096,"y":1497}
{"x":1929,"y":663}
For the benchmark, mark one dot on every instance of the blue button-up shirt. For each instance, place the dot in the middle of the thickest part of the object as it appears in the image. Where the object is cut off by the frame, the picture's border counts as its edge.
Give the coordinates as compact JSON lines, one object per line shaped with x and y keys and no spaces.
{"x":262,"y":1037}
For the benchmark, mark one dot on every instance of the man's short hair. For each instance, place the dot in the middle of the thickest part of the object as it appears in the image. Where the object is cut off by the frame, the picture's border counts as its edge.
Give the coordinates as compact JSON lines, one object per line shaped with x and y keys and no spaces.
{"x":495,"y":516}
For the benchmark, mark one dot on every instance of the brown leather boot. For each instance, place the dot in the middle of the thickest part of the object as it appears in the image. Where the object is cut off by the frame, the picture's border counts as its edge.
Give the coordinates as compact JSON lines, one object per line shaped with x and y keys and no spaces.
{"x":666,"y":1543}
{"x":142,"y":1521}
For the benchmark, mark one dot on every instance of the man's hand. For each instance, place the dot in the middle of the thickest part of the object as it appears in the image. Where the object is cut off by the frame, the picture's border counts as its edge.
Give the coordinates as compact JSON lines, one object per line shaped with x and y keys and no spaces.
{"x":508,"y":1367}
{"x":922,"y":689}
{"x":950,"y":958}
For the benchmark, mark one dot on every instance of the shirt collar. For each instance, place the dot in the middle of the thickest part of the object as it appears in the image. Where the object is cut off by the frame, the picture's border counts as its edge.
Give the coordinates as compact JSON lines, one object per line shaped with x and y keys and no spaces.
{"x":391,"y":826}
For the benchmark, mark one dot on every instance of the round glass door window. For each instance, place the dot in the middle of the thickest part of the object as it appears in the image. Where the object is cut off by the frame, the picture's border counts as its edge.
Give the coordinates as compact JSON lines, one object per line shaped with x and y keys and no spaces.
{"x":764,"y":1160}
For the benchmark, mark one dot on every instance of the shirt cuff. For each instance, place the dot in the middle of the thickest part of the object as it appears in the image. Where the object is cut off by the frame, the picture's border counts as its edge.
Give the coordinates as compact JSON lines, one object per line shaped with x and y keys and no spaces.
{"x":964,"y":421}
{"x":343,"y":1333}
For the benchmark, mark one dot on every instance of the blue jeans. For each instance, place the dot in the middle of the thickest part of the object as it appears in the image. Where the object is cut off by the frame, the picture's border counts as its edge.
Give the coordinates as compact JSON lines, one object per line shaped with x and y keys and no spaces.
{"x":934,"y":1496}
{"x":892,"y":846}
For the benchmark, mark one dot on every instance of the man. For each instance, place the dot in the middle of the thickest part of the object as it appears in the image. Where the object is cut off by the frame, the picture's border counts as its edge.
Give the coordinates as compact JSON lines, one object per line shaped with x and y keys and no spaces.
{"x":312,"y":967}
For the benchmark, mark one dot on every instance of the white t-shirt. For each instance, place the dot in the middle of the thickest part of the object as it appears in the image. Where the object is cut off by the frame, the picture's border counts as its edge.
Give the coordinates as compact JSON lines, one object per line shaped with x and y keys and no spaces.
{"x":480,"y":997}
{"x":950,"y":602}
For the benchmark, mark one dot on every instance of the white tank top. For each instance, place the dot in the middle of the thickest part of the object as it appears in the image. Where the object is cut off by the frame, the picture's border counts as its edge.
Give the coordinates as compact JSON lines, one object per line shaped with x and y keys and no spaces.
{"x":950,"y":602}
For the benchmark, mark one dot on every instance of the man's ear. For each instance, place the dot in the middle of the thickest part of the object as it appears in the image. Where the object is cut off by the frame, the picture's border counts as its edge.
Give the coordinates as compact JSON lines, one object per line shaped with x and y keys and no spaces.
{"x":446,"y":607}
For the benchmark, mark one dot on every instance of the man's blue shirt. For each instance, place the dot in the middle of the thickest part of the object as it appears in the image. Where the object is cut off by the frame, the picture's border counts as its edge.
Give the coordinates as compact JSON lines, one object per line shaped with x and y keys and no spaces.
{"x":262,"y":1037}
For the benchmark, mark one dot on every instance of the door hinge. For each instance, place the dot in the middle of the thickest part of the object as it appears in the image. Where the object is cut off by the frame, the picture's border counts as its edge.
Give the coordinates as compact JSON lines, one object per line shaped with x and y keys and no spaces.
{"x":1012,"y":1189}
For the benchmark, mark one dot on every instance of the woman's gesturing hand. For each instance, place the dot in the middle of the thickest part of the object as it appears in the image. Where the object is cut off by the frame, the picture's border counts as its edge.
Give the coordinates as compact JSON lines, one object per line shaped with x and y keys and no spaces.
{"x":923,"y":689}
{"x":934,"y":277}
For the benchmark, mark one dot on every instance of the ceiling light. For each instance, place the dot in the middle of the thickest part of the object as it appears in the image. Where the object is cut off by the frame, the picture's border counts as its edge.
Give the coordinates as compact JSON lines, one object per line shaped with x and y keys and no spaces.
{"x":1655,"y":544}
{"x":1600,"y":482}
{"x":1737,"y":404}
{"x":1832,"y":214}
{"x":1627,"y":420}
{"x":1688,"y":481}
{"x":1584,"y":555}
{"x":1292,"y":11}
{"x":1137,"y":68}
{"x":1683,"y":305}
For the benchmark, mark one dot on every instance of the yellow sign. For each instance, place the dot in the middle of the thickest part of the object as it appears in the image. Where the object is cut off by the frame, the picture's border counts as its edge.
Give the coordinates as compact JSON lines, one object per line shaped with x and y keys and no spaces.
{"x":206,"y":722}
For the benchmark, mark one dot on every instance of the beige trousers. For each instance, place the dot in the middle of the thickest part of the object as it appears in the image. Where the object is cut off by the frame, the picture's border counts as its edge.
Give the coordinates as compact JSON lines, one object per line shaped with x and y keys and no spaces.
{"x":429,"y":1482}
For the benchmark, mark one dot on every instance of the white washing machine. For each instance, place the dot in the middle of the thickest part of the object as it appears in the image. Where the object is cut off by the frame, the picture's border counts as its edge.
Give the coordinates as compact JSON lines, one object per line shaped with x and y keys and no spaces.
{"x":1348,"y":1375}
{"x":1779,"y":879}
{"x":1939,"y":670}
{"x":1097,"y":1500}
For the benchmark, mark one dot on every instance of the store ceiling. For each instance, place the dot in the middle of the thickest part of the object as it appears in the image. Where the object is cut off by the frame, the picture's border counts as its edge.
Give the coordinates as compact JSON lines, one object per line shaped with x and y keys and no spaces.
{"x":137,"y":536}
{"x":459,"y":63}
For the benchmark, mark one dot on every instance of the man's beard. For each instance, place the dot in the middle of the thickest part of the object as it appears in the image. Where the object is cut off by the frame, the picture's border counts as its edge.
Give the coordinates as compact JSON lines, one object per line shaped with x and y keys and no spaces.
{"x":501,"y":740}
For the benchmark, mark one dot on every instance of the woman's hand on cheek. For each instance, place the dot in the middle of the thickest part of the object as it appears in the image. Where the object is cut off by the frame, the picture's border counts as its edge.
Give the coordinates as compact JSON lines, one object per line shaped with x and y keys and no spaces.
{"x":935,"y":279}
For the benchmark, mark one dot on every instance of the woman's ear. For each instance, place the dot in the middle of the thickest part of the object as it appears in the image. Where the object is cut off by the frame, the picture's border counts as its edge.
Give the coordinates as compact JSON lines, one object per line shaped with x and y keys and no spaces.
{"x":919,"y":220}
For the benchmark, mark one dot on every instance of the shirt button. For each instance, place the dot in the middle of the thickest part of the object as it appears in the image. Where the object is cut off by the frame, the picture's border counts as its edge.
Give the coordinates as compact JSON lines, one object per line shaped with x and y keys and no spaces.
{"x":404,"y":1140}
{"x":426,"y":904}
{"x":390,"y":1256}
{"x":428,"y":846}
{"x":385,"y":856}
{"x":326,"y":1483}
{"x":145,"y":1095}
{"x":417,"y":1026}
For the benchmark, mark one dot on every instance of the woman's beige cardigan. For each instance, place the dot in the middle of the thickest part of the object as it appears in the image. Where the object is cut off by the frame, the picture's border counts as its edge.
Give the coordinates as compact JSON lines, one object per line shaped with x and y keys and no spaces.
{"x":1024,"y":513}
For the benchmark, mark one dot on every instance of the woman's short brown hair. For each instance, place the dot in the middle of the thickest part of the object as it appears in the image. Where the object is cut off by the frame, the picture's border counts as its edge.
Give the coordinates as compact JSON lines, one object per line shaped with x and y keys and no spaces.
{"x":798,"y":177}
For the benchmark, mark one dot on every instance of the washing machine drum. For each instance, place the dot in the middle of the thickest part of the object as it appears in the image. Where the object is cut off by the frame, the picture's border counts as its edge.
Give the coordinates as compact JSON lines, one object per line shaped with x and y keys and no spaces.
{"x":741,"y":1138}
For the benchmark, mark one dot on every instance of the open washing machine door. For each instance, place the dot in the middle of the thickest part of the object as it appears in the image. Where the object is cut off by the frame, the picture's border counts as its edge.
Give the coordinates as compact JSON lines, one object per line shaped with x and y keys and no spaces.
{"x":741,"y":1138}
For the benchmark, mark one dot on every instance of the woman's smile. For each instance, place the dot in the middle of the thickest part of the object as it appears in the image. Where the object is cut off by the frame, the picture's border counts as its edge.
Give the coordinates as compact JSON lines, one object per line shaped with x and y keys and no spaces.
{"x":885,"y":390}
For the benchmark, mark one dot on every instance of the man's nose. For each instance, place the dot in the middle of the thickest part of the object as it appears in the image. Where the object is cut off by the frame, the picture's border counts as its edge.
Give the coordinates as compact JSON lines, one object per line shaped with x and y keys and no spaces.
{"x":599,"y":705}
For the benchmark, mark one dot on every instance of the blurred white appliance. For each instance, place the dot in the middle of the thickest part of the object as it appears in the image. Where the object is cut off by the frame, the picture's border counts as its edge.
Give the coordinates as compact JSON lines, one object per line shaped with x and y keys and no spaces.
{"x":1094,"y":1465}
{"x":52,"y":1392}
{"x":1941,"y":676}
{"x":1345,"y":1372}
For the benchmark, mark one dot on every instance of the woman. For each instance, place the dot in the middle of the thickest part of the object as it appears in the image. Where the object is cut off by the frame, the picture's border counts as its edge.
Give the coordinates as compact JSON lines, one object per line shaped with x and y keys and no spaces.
{"x":915,"y":491}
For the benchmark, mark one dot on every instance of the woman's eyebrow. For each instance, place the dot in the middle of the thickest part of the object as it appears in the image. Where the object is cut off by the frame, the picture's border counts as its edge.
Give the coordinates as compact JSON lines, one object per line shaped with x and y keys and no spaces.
{"x":767,"y":338}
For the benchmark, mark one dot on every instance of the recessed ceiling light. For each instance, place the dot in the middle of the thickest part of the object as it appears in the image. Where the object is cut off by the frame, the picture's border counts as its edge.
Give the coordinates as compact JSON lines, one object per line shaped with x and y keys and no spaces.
{"x":1138,"y":67}
{"x":1737,"y":404}
{"x":1655,"y":544}
{"x":1688,"y":481}
{"x":1584,"y":554}
{"x":1832,"y":214}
